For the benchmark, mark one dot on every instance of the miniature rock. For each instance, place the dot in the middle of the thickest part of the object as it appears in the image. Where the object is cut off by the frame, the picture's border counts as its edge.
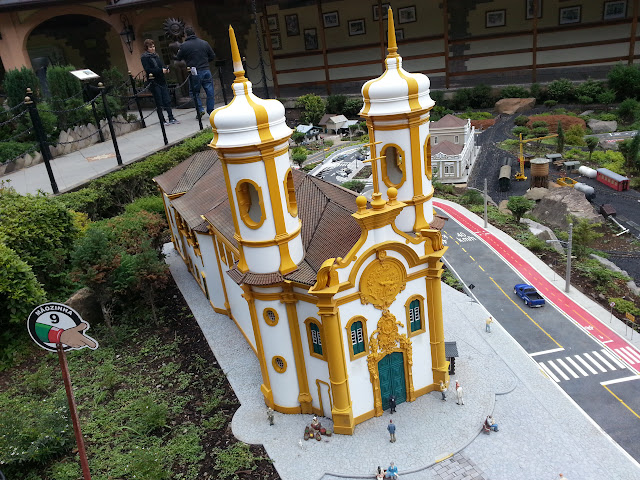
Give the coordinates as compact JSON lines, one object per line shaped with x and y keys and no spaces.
{"x":509,"y":106}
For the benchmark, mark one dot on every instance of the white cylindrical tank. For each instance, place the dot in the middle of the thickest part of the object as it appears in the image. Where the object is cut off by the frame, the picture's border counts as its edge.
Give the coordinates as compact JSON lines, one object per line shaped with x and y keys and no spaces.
{"x":587,"y":172}
{"x":588,"y":190}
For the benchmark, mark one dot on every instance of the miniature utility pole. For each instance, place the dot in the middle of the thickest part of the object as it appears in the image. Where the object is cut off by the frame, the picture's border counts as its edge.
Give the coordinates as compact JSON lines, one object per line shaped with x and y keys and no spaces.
{"x":568,"y":284}
{"x":485,"y":203}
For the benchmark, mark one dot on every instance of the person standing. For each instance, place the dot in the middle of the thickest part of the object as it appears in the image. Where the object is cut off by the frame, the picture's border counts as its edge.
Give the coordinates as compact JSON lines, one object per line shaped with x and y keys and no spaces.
{"x":459,"y":394}
{"x":392,"y":431}
{"x":197,"y":54}
{"x":153,"y":65}
{"x":488,"y":323}
{"x":443,"y":389}
{"x":392,"y":404}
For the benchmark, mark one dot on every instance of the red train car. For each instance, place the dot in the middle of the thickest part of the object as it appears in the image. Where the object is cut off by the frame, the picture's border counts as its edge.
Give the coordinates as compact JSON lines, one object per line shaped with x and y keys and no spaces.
{"x":612,"y":179}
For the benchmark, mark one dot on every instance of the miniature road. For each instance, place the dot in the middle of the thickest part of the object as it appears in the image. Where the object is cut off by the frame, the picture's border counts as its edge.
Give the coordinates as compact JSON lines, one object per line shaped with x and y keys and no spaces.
{"x":587,"y":359}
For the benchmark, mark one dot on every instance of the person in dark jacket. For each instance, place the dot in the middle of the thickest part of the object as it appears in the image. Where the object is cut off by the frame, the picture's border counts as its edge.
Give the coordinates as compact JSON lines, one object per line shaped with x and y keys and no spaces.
{"x":197,"y":54}
{"x":153,"y":65}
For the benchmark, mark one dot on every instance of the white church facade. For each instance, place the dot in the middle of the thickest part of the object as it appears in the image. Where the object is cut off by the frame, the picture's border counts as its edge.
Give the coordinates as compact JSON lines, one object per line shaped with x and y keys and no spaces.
{"x":338,"y":297}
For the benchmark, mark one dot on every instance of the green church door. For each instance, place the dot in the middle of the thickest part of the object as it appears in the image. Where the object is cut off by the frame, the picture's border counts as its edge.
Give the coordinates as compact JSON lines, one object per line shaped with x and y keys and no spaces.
{"x":391,"y":372}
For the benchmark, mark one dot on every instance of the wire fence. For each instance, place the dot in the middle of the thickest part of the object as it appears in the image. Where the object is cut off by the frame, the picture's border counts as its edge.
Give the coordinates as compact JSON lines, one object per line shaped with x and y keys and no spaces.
{"x":37,"y":135}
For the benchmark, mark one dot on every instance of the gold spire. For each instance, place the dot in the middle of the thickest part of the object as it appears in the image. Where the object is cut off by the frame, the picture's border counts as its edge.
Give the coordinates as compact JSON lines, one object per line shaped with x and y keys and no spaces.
{"x":392,"y":47}
{"x":238,"y":70}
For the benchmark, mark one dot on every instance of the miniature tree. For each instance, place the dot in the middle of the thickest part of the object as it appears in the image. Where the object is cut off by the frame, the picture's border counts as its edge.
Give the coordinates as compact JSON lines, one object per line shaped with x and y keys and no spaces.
{"x":298,"y":137}
{"x":354,"y":185}
{"x":560,"y":142}
{"x":584,"y":234}
{"x":519,"y":206}
{"x":299,"y":158}
{"x":592,"y":143}
{"x":313,"y":108}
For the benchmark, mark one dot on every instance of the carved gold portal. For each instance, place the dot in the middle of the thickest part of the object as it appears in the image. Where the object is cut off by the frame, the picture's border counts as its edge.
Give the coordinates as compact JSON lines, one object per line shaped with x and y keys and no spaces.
{"x":384,"y":340}
{"x":382,"y":281}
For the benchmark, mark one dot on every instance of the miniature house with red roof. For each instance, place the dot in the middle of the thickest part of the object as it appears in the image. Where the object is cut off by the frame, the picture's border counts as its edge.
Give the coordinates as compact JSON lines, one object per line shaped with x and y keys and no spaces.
{"x":338,"y":297}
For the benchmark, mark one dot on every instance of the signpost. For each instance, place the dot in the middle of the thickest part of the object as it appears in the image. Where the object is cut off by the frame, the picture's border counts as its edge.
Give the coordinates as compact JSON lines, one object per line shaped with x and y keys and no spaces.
{"x":632,"y":319}
{"x":57,"y":328}
{"x":612,"y":304}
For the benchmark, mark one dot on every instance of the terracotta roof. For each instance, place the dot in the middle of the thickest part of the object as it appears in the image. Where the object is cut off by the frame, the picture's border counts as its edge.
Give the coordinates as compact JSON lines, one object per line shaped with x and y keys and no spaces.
{"x":446,"y":147}
{"x":448,"y":121}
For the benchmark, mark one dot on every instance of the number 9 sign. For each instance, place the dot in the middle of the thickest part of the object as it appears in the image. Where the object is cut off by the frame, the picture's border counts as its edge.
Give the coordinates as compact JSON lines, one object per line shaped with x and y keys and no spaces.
{"x":53,"y":323}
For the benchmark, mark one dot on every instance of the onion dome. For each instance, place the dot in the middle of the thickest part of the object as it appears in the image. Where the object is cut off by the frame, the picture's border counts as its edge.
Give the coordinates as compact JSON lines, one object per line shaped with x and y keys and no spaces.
{"x":396,"y":91}
{"x":247,"y":120}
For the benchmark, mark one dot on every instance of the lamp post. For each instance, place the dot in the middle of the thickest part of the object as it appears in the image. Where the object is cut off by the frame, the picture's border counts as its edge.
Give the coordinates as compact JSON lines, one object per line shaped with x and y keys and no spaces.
{"x":568,"y":245}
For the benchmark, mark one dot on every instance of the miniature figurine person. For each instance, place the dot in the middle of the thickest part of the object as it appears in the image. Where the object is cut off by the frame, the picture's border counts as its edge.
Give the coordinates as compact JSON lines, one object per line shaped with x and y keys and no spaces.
{"x":487,"y":326}
{"x":315,"y":424}
{"x":392,"y":404}
{"x":392,"y":472}
{"x":443,"y":388}
{"x":459,"y":394}
{"x":270,"y":415}
{"x":392,"y":431}
{"x":490,"y":423}
{"x":379,"y":474}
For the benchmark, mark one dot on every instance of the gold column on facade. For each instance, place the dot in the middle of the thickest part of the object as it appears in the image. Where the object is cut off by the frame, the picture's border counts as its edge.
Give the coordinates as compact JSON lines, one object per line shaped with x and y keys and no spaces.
{"x":305,"y":399}
{"x":265,"y":388}
{"x":439,"y":363}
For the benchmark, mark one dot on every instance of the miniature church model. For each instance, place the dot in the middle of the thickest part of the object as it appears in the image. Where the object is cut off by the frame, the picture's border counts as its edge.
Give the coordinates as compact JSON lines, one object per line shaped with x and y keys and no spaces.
{"x":338,"y":297}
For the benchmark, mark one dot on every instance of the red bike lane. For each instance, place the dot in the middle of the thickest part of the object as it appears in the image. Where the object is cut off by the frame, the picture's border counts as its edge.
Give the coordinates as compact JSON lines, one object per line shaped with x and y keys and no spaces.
{"x":618,"y":345}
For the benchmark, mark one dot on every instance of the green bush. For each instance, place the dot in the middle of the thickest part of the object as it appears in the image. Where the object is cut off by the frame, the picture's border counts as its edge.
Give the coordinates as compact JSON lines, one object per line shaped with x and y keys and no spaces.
{"x":354,"y":185}
{"x":575,"y":154}
{"x":602,"y":278}
{"x":575,"y":135}
{"x":475,"y":115}
{"x":151,"y":204}
{"x":561,"y":90}
{"x":234,"y":458}
{"x":352,"y":107}
{"x":514,"y":91}
{"x":607,"y":97}
{"x":629,"y":110}
{"x":520,"y":130}
{"x":438,"y":112}
{"x":625,"y":81}
{"x":607,"y":117}
{"x":118,"y":87}
{"x":443,"y":187}
{"x":541,"y":131}
{"x":62,"y":86}
{"x":584,"y":99}
{"x":299,"y":158}
{"x":16,"y":82}
{"x":11,"y":150}
{"x":481,"y":97}
{"x":335,"y":104}
{"x":461,"y":99}
{"x":472,"y":197}
{"x":590,"y":88}
{"x":550,"y":103}
{"x":521,"y":120}
{"x":538,"y":124}
{"x":538,"y":92}
{"x":519,"y":206}
{"x":625,"y":306}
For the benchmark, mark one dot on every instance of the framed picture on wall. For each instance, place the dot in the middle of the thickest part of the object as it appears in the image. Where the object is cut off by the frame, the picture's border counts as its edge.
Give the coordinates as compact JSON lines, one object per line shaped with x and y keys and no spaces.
{"x":495,"y":18}
{"x":276,"y":42}
{"x":291,"y":22}
{"x":272,"y":21}
{"x":385,"y":11}
{"x":356,"y":27}
{"x":263,"y":24}
{"x":529,"y":9}
{"x":310,"y":39}
{"x":399,"y":33}
{"x":569,"y":15}
{"x":613,"y":10}
{"x":331,"y":19}
{"x":407,"y":14}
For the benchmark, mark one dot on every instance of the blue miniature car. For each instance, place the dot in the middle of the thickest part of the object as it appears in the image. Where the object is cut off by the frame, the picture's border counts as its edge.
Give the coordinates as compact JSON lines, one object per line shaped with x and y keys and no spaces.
{"x":529,"y":295}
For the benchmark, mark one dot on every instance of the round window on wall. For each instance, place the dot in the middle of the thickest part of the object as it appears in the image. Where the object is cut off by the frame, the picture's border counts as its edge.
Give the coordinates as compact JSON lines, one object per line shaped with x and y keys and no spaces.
{"x":270,"y":316}
{"x":279,"y":364}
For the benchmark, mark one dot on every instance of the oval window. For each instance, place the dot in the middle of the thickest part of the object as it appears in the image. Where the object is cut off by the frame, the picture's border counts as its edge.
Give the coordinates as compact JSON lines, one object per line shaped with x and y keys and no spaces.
{"x":279,"y":364}
{"x":290,"y":193}
{"x":427,"y":158}
{"x":394,"y":167}
{"x":250,"y":203}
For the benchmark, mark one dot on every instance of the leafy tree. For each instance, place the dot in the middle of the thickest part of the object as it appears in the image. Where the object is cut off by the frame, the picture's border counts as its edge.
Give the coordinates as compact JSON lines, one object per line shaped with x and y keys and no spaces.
{"x":353,"y":129}
{"x":630,"y":149}
{"x":335,"y":104}
{"x":298,"y":158}
{"x":629,"y":110}
{"x":584,"y":234}
{"x":560,"y":142}
{"x":541,"y":131}
{"x":519,"y":206}
{"x":41,"y":231}
{"x":355,"y":185}
{"x":313,"y":108}
{"x":521,"y":120}
{"x":20,"y":290}
{"x":625,"y":81}
{"x":298,"y":137}
{"x":362,"y":126}
{"x":352,"y":107}
{"x":561,"y":90}
{"x":520,"y":130}
{"x":592,"y":143}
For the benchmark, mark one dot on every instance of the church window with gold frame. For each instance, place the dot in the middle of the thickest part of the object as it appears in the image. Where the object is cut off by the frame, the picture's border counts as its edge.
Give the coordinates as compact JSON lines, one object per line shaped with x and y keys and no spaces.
{"x":270,"y":316}
{"x":290,"y":194}
{"x":428,"y":169}
{"x":393,"y":165}
{"x":279,"y":364}
{"x":314,"y":335}
{"x":250,"y":203}
{"x":357,"y":331}
{"x":415,"y":315}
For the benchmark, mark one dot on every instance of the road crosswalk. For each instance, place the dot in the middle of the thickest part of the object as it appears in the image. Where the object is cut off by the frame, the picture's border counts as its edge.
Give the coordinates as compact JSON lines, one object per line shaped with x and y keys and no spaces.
{"x":588,"y":363}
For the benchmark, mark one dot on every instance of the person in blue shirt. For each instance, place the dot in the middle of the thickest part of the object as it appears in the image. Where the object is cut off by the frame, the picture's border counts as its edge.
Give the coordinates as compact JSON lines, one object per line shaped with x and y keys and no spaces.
{"x":392,"y":472}
{"x":392,"y":431}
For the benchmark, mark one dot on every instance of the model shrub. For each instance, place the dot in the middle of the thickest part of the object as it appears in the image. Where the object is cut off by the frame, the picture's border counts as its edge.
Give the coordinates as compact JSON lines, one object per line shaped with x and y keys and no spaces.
{"x":298,"y":158}
{"x":298,"y":137}
{"x":354,"y":185}
{"x":520,"y":130}
{"x":538,"y":92}
{"x":461,"y":99}
{"x":16,"y":82}
{"x":584,"y":99}
{"x":607,"y":97}
{"x":541,"y":131}
{"x":538,"y":123}
{"x":335,"y":104}
{"x":472,"y":197}
{"x":575,"y":135}
{"x":352,"y":107}
{"x":521,"y":120}
{"x":607,"y":117}
{"x":118,"y":88}
{"x":592,"y":143}
{"x":475,"y":115}
{"x":629,"y":110}
{"x":561,"y":90}
{"x":519,"y":206}
{"x":550,"y":103}
{"x":514,"y":91}
{"x":625,"y":306}
{"x":313,"y":106}
{"x":151,"y":204}
{"x":438,"y":112}
{"x":624,"y":80}
{"x":590,"y":88}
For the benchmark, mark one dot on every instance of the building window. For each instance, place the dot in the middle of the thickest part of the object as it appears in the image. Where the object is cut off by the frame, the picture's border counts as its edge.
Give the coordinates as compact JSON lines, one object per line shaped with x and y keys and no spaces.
{"x":393,"y":167}
{"x":428,"y":171}
{"x":250,"y":204}
{"x":270,"y":316}
{"x":449,"y":170}
{"x":314,"y":336}
{"x":290,"y":194}
{"x":357,"y":337}
{"x":435,"y":140}
{"x":456,"y":139}
{"x":415,"y":315}
{"x":279,"y":364}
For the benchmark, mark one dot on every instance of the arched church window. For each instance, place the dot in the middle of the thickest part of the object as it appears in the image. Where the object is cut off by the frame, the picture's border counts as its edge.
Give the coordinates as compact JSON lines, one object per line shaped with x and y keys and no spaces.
{"x":393,"y":166}
{"x":415,"y":315}
{"x":357,"y":331}
{"x":290,"y":194}
{"x":250,"y":204}
{"x":314,"y":335}
{"x":315,"y":338}
{"x":270,"y":316}
{"x":427,"y":158}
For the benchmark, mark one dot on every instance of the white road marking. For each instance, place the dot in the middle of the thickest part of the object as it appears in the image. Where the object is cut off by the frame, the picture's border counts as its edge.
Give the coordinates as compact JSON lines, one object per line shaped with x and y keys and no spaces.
{"x":624,"y":355}
{"x":594,"y":362}
{"x":620,"y":380}
{"x":566,"y":367}
{"x":543,"y":352}
{"x":613,"y":359}
{"x":589,"y":367}
{"x":577,"y":367}
{"x":549,"y":372}
{"x":632,"y":353}
{"x":562,"y":374}
{"x":602,"y":359}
